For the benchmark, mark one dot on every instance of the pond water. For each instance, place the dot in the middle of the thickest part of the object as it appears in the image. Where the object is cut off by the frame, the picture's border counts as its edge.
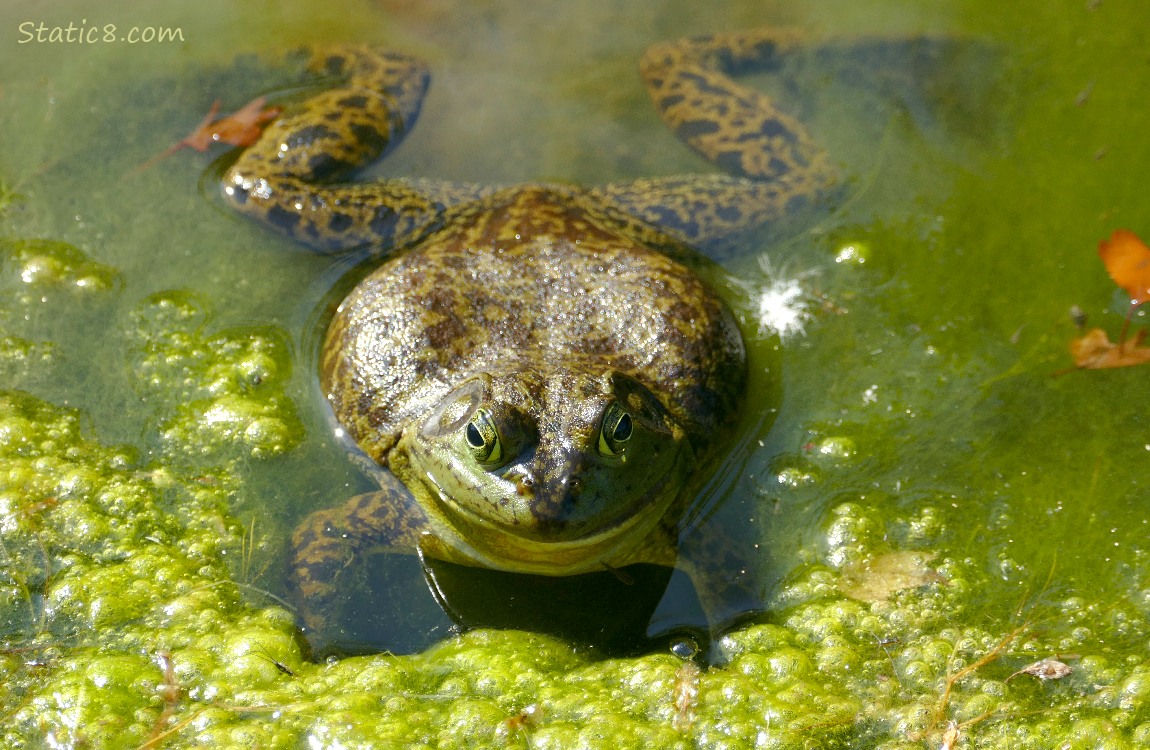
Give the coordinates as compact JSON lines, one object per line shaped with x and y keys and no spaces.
{"x":922,"y":408}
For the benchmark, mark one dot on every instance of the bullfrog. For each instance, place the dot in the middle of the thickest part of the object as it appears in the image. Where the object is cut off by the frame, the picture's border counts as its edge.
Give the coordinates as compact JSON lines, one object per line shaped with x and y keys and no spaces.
{"x":539,"y":371}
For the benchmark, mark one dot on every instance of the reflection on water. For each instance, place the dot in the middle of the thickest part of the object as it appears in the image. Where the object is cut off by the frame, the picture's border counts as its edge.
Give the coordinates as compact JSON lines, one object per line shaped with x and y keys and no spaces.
{"x":610,"y":612}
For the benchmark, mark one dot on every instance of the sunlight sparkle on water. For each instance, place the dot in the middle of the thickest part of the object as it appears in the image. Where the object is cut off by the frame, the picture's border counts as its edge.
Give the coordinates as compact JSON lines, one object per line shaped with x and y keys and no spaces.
{"x":784,"y":307}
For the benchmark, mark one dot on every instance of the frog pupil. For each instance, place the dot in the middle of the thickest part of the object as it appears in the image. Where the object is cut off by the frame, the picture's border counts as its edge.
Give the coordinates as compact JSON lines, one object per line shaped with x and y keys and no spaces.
{"x":474,"y":437}
{"x":622,"y":429}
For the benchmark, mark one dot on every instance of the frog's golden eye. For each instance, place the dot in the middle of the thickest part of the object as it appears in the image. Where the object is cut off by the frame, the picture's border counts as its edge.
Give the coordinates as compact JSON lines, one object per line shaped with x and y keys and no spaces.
{"x":616,"y":430}
{"x":483,"y":438}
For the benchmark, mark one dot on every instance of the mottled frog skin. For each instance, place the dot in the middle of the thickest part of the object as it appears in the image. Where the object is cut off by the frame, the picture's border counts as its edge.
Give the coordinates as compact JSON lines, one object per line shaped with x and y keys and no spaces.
{"x":538,"y":368}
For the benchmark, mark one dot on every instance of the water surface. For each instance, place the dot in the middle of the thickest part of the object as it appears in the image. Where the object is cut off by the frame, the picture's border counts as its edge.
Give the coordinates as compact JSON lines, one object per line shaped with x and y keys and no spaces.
{"x":920,"y":408}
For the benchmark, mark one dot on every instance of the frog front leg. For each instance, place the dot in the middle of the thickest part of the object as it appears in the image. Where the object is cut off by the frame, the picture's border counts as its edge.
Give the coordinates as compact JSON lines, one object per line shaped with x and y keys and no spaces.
{"x":286,"y":179}
{"x":330,"y":542}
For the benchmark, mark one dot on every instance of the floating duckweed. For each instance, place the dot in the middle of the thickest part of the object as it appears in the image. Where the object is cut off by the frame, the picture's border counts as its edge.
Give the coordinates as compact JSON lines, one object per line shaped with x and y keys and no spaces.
{"x":1134,"y":691}
{"x":819,"y":676}
{"x":20,"y":356}
{"x":838,"y":653}
{"x":838,"y":448}
{"x":975,"y":706}
{"x":898,"y":745}
{"x":849,"y":534}
{"x":793,"y":477}
{"x":245,"y":360}
{"x":918,"y":674}
{"x":925,"y":526}
{"x":912,"y":720}
{"x":221,"y":395}
{"x":937,"y":652}
{"x":753,"y":639}
{"x":49,"y":263}
{"x":91,"y":700}
{"x":231,"y":421}
{"x":1093,"y":734}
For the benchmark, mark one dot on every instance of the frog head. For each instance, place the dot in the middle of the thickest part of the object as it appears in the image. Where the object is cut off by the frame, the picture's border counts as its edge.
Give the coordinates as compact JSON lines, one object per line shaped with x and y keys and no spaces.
{"x":545,"y":472}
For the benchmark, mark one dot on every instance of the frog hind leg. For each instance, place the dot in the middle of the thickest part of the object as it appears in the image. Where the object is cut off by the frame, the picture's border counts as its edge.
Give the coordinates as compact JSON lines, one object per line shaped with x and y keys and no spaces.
{"x":723,"y":570}
{"x":740,"y":130}
{"x":772,"y":163}
{"x":285,"y":179}
{"x":329,"y":543}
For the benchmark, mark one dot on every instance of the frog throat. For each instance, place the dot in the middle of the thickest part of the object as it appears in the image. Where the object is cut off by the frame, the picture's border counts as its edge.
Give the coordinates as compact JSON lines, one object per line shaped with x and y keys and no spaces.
{"x":483,"y":542}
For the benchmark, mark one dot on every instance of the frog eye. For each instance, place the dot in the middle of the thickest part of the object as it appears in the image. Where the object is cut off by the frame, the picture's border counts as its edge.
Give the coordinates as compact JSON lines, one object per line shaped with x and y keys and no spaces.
{"x":616,"y":430}
{"x":483,"y":438}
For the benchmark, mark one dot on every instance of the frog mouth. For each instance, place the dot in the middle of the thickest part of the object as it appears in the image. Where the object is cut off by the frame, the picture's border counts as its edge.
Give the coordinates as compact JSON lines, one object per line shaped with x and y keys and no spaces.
{"x":505,"y":547}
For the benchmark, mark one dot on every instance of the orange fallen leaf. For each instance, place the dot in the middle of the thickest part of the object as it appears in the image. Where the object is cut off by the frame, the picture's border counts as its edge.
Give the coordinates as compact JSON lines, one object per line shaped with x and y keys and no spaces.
{"x":1094,"y":351}
{"x":201,"y":136}
{"x":241,"y":128}
{"x":1127,"y":260}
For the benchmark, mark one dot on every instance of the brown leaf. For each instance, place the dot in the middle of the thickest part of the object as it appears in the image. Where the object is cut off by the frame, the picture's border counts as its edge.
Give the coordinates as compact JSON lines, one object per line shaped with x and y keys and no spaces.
{"x":1095,"y":351}
{"x":241,"y":128}
{"x":1047,"y":669}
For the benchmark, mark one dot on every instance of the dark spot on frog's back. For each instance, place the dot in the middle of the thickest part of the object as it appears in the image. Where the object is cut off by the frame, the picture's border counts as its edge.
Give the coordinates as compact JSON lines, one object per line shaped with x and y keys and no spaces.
{"x":441,"y":336}
{"x":773,"y":128}
{"x":369,"y":136}
{"x":325,"y":166}
{"x":355,"y":101}
{"x":383,"y":222}
{"x":593,"y":344}
{"x":440,"y":298}
{"x":340,"y":223}
{"x":704,"y":85}
{"x":680,"y":310}
{"x":692,"y":128}
{"x":307,"y":136}
{"x":457,"y":261}
{"x":334,"y":64}
{"x":729,"y":213}
{"x":282,"y":218}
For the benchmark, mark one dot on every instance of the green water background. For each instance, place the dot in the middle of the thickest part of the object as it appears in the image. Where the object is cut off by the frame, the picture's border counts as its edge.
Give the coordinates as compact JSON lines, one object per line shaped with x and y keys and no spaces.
{"x":934,"y":359}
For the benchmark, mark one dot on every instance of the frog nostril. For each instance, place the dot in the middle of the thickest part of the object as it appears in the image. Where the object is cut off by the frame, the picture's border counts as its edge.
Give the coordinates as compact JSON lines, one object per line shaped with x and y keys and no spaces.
{"x":524,"y":483}
{"x":574,"y":486}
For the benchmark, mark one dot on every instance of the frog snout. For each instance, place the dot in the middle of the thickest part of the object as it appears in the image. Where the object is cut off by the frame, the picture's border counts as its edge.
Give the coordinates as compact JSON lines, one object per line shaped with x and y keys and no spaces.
{"x":555,"y":508}
{"x":549,"y":491}
{"x":561,"y":491}
{"x":524,"y":482}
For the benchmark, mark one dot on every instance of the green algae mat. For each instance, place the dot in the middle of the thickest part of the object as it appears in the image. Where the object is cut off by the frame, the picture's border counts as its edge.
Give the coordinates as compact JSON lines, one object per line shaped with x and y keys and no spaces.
{"x":950,"y":521}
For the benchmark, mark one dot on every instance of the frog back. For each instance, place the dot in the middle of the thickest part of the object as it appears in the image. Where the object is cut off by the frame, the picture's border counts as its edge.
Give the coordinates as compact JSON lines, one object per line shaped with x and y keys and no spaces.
{"x":532,"y":278}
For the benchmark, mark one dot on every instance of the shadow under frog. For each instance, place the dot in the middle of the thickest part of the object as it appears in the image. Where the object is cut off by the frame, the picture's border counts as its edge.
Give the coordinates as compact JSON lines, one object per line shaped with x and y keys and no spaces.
{"x":539,"y":372}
